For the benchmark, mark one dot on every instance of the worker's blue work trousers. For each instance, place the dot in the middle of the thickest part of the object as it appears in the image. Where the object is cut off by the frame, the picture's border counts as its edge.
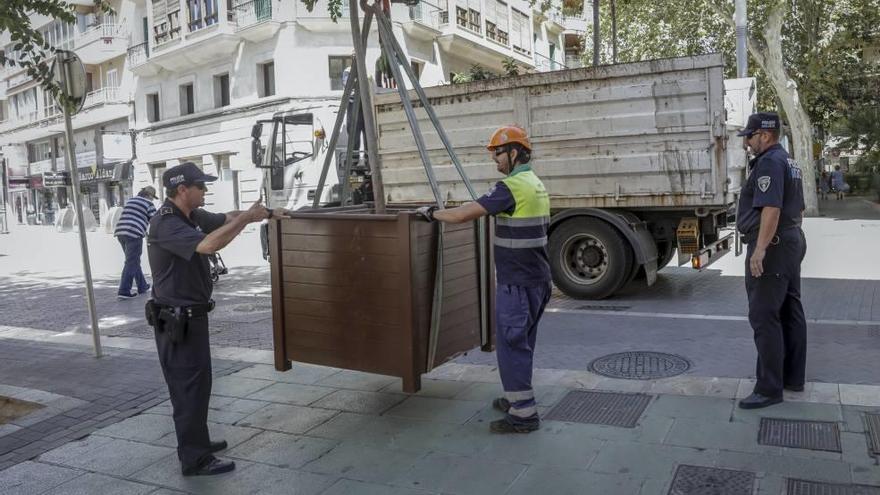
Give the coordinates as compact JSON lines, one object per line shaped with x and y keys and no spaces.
{"x":518,"y":310}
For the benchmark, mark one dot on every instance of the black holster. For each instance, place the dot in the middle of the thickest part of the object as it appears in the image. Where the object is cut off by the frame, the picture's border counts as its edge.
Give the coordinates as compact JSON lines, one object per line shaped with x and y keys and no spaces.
{"x":173,"y":320}
{"x":151,"y":314}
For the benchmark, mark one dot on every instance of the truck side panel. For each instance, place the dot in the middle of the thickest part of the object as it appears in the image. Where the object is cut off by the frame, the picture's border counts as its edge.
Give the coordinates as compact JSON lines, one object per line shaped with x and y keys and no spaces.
{"x":638,"y":135}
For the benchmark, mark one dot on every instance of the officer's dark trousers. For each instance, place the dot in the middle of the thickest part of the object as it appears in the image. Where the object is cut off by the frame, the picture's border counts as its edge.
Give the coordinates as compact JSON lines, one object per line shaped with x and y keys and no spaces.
{"x":777,"y":316}
{"x":518,"y":310}
{"x":187,"y":369}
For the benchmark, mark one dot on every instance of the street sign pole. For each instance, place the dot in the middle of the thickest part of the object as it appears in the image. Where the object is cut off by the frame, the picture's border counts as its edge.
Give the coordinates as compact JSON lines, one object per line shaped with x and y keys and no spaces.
{"x":67,"y":87}
{"x":4,"y":228}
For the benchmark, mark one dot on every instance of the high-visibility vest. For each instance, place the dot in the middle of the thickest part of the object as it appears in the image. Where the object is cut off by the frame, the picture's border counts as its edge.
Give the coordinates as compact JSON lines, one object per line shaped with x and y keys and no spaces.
{"x":527,"y":226}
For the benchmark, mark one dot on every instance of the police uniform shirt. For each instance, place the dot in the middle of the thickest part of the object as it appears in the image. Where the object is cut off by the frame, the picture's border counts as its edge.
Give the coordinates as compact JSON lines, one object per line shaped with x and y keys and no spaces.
{"x":775,"y":180}
{"x":181,"y":276}
{"x":527,"y":267}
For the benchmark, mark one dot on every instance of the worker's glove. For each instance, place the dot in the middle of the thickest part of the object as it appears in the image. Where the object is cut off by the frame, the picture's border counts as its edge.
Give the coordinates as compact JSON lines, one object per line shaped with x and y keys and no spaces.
{"x":426,"y":212}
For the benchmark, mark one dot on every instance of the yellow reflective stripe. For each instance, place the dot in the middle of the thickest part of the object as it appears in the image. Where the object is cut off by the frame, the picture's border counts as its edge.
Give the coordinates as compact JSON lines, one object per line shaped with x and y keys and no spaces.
{"x":522,"y":222}
{"x":520,"y":243}
{"x":525,"y":412}
{"x":518,"y":396}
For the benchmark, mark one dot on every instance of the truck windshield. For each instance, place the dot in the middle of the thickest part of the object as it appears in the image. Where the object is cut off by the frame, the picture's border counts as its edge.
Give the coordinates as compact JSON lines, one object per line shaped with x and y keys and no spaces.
{"x":295,"y":141}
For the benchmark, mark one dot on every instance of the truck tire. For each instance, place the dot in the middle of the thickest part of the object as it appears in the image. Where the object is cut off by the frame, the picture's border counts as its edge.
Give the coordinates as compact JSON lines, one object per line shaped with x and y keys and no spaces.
{"x":589,"y":258}
{"x":665,"y":253}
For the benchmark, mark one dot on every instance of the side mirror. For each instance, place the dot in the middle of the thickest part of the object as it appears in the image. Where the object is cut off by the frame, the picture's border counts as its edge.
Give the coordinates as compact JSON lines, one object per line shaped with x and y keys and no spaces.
{"x":256,"y":152}
{"x":257,"y":131}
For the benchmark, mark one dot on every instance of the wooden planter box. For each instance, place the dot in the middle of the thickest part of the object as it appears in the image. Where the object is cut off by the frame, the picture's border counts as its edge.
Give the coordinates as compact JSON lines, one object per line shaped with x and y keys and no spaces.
{"x":353,"y":289}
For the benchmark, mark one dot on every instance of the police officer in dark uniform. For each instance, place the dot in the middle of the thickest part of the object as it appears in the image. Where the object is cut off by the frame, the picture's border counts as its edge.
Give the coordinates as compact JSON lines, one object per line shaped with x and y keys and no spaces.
{"x":771,"y":209}
{"x":180,"y":238}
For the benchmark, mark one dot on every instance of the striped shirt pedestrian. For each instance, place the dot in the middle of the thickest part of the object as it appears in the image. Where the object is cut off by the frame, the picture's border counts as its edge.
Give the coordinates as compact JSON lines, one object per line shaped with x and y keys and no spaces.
{"x":135,"y":217}
{"x":130,"y":231}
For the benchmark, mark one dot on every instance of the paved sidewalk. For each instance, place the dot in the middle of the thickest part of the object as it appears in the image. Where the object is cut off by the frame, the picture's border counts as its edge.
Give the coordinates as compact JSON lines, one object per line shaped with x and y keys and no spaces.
{"x":321,"y":430}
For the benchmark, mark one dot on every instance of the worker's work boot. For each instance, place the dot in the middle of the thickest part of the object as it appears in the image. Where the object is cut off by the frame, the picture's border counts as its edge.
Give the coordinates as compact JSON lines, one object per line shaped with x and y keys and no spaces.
{"x":508,"y":425}
{"x":501,"y":404}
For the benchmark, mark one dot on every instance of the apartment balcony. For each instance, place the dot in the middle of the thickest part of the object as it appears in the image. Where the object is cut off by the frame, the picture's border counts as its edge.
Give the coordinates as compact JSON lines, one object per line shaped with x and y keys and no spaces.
{"x":199,"y":41}
{"x":254,"y":20}
{"x":470,"y":38}
{"x":319,"y":20}
{"x":101,"y":43}
{"x":105,"y":95}
{"x":574,"y":22}
{"x":138,"y":58}
{"x":424,"y":22}
{"x":544,"y":64}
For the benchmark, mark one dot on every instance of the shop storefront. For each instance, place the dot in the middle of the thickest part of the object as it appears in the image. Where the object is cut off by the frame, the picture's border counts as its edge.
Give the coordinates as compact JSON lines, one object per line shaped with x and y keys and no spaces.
{"x":105,"y":186}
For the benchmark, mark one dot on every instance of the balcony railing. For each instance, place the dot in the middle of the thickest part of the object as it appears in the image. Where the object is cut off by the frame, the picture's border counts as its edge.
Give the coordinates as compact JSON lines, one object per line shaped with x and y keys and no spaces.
{"x":138,"y":54}
{"x":544,"y":64}
{"x":252,"y":12}
{"x":102,"y":31}
{"x":107,"y":94}
{"x":428,"y":15}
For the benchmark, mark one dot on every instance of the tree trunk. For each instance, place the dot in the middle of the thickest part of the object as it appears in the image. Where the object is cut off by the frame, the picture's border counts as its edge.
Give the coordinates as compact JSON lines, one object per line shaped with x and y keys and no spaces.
{"x":767,"y":52}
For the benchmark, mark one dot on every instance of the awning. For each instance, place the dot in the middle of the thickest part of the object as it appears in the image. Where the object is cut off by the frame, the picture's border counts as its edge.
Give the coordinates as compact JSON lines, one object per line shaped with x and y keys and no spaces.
{"x":108,"y":172}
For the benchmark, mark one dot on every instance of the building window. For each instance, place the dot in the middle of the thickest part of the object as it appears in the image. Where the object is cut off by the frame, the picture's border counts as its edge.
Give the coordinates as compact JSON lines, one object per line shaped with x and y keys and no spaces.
{"x":2,"y":111}
{"x":221,"y":90}
{"x":187,"y":99}
{"x":202,"y":13}
{"x":337,"y":67}
{"x":153,"y":107}
{"x":416,"y":68}
{"x":266,"y":79}
{"x":520,"y":32}
{"x":497,"y":21}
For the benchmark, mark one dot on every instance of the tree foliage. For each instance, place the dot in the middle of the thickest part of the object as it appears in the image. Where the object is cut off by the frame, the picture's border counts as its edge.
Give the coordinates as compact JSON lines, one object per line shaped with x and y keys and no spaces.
{"x":29,"y":48}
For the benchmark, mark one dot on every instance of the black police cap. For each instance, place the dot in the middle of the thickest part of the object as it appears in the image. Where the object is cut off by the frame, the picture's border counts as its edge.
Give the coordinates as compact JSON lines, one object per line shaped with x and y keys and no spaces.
{"x":185,"y":174}
{"x":761,"y":121}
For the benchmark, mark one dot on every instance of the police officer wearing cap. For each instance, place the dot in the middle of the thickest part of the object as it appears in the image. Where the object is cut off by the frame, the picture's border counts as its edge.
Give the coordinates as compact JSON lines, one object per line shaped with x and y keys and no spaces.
{"x":521,"y":207}
{"x":771,"y":208}
{"x":180,"y":237}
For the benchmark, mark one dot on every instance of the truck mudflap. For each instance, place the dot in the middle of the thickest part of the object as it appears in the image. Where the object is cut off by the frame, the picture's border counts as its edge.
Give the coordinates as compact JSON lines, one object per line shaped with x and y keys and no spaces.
{"x":633,"y":229}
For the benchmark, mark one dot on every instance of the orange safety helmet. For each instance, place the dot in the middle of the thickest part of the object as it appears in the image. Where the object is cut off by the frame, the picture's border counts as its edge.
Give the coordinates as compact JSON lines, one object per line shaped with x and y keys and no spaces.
{"x":509,"y":134}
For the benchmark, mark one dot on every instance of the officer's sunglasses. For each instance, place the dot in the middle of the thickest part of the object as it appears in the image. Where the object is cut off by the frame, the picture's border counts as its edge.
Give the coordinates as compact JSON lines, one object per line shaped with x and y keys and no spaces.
{"x":201,"y":185}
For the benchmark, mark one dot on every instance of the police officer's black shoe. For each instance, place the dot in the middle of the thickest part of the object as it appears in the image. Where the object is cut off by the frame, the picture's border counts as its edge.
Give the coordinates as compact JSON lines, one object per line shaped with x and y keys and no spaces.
{"x":210,"y":467}
{"x":218,"y":445}
{"x":795,"y":388}
{"x":507,"y":426}
{"x":757,"y":401}
{"x":501,"y":404}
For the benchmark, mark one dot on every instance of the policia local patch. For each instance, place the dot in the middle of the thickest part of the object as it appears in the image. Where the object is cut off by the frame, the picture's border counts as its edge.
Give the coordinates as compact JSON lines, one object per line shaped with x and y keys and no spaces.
{"x":764,"y":183}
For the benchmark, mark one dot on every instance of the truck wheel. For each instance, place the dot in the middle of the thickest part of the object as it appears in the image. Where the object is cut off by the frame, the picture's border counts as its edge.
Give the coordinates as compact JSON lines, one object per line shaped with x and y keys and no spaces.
{"x":589,"y":258}
{"x":665,"y":252}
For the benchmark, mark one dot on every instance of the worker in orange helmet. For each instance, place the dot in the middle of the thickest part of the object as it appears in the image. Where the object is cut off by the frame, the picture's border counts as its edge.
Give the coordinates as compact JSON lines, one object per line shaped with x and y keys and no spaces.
{"x":521,"y":208}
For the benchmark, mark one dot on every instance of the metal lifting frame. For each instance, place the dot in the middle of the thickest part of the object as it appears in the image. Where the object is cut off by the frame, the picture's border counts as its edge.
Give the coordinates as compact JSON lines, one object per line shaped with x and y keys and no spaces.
{"x":362,"y":103}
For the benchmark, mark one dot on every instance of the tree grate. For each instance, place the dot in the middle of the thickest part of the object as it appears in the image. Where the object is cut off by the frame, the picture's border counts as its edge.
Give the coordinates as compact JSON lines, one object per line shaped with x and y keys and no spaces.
{"x":804,"y":487}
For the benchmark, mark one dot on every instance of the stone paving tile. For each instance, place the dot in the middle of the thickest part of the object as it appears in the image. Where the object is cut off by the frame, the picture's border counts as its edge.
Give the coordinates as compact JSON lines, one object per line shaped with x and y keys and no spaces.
{"x":349,"y":487}
{"x":288,"y":419}
{"x":739,"y":437}
{"x":648,"y":430}
{"x":357,"y":380}
{"x":790,"y":410}
{"x":400,"y":434}
{"x":305,"y":374}
{"x":828,"y":393}
{"x":282,"y":450}
{"x":440,"y":389}
{"x":148,"y":428}
{"x":559,"y":481}
{"x":860,"y":395}
{"x":362,"y":463}
{"x":234,"y":435}
{"x":291,"y":393}
{"x":543,"y":448}
{"x":358,"y":401}
{"x":247,"y":478}
{"x":853,"y":417}
{"x":460,"y":475}
{"x":34,"y":477}
{"x":106,"y":455}
{"x":232,"y":404}
{"x":98,"y":484}
{"x":788,"y":466}
{"x":450,"y":411}
{"x":682,"y":407}
{"x":234,"y":386}
{"x":648,"y":461}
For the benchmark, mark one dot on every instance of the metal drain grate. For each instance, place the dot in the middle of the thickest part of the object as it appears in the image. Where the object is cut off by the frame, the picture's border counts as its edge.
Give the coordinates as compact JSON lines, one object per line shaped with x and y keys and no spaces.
{"x":640,"y":365}
{"x":812,"y":435}
{"x":803,"y":487}
{"x":692,"y":480}
{"x":600,"y":408}
{"x":872,"y":421}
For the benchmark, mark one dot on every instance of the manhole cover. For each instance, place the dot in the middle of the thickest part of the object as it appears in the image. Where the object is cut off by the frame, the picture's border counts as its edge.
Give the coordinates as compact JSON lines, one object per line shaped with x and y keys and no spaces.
{"x":251,"y":308}
{"x":640,"y":365}
{"x":799,"y":434}
{"x":699,"y":480}
{"x":600,"y":408}
{"x":802,"y":487}
{"x":873,"y":423}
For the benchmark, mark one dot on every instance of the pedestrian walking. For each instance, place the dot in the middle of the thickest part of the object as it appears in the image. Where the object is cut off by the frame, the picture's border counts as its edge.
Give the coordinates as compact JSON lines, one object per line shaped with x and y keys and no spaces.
{"x":521,"y":208}
{"x":181,"y":236}
{"x":130,"y":231}
{"x":824,"y":185}
{"x":770,"y":215}
{"x":838,"y":184}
